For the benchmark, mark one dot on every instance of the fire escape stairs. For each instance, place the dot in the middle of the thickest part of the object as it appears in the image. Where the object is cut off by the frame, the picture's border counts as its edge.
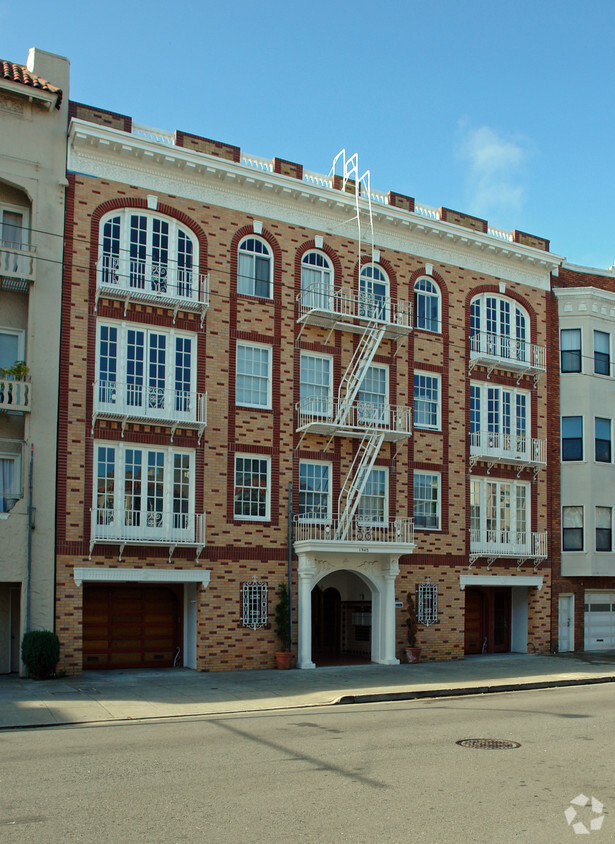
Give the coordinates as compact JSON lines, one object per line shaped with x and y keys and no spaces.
{"x":355,"y":481}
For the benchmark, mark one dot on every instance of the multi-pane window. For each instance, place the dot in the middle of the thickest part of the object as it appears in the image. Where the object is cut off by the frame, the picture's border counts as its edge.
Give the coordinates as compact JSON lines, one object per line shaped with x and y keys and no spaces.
{"x":253,"y":380}
{"x":499,"y":418}
{"x":426,"y":305}
{"x":570,"y":349}
{"x":373,"y":507}
{"x":603,"y":440}
{"x":254,"y":604}
{"x":426,"y":400}
{"x":499,"y":327}
{"x":373,"y":292}
{"x":572,"y":528}
{"x":314,"y":491}
{"x":145,"y":371}
{"x":427,"y":500}
{"x":316,"y":384}
{"x":604,"y":528}
{"x":316,"y":281}
{"x":141,"y":251}
{"x":602,"y":353}
{"x":499,"y":512}
{"x":373,"y":394}
{"x":572,"y":438}
{"x":143,"y":492}
{"x":251,"y":492}
{"x":255,"y":266}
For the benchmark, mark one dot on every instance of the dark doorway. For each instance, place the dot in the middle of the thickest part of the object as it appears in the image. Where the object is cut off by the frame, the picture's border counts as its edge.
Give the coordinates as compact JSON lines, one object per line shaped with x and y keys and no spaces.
{"x":341,"y":630}
{"x":487,"y":620}
{"x":326,"y":621}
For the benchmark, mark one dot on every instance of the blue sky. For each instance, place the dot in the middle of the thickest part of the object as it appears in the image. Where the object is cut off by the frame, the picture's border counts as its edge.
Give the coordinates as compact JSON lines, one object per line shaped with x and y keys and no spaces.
{"x":503,"y":110}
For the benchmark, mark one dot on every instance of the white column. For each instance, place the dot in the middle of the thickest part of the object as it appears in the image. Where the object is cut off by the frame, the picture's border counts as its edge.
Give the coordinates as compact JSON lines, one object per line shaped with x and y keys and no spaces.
{"x":388,"y":615}
{"x":305,"y":572}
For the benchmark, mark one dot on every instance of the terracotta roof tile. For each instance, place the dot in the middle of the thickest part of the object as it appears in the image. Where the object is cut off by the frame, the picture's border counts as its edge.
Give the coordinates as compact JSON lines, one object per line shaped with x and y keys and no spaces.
{"x":20,"y":73}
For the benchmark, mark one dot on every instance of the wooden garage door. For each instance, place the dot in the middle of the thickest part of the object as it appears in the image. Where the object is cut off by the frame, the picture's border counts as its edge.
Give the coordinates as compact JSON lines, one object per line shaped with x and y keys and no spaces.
{"x":130,"y":626}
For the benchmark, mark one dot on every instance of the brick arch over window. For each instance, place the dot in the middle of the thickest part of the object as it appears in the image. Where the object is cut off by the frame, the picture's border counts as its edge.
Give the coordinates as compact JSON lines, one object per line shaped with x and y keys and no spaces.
{"x":508,"y":294}
{"x":435,"y":276}
{"x":247,"y":231}
{"x":140,"y":204}
{"x":383,"y":264}
{"x":310,"y":246}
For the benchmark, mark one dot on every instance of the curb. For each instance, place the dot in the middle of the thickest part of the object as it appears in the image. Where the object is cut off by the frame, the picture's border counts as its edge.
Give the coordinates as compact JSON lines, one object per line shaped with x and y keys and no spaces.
{"x":471,"y":690}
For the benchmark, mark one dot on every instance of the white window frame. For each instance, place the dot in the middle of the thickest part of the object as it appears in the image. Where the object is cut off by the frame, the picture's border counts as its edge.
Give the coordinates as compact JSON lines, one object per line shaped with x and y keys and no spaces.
{"x":169,"y":279}
{"x":564,"y":439}
{"x":580,"y":508}
{"x":438,"y":380}
{"x":306,"y":517}
{"x":497,"y":342}
{"x":266,"y":405}
{"x":250,"y":281}
{"x":25,"y":228}
{"x":309,"y":403}
{"x":116,"y":518}
{"x":252,"y":518}
{"x":318,"y":293}
{"x":385,"y":511}
{"x":428,"y":296}
{"x":367,"y":409}
{"x":373,"y":304}
{"x":500,"y":528}
{"x":21,"y":341}
{"x":254,"y":604}
{"x":520,"y":441}
{"x":607,"y":353}
{"x":610,"y":529}
{"x":117,"y":394}
{"x":423,"y":473}
{"x":16,"y":492}
{"x":578,"y":349}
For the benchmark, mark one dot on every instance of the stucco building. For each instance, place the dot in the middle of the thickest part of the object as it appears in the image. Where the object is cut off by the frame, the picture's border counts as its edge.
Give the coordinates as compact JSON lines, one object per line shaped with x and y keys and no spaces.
{"x":33,"y":117}
{"x":265,"y":370}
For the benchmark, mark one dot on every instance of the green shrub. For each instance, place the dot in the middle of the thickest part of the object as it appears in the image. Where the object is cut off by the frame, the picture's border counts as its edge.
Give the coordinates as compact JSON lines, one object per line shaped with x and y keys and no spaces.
{"x":40,"y":652}
{"x":282,"y":617}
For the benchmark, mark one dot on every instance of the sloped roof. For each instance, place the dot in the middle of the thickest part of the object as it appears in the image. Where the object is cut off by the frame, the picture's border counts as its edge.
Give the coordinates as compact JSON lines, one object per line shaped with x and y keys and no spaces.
{"x":20,"y":73}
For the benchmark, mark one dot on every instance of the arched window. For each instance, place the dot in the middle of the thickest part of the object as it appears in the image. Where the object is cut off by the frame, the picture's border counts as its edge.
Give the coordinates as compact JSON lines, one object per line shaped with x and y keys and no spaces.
{"x":316,"y":281}
{"x":255,"y":268}
{"x":373,"y":292}
{"x":141,"y":251}
{"x":426,"y":304}
{"x":499,"y":327}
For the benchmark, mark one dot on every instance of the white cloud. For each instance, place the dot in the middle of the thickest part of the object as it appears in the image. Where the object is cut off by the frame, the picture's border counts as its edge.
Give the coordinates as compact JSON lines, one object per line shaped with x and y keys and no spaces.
{"x":496,"y":166}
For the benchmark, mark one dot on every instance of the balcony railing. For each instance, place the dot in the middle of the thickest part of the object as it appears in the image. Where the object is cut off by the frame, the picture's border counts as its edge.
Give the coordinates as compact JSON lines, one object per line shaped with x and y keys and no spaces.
{"x":153,"y":528}
{"x":507,"y":543}
{"x":508,"y":448}
{"x":367,"y":537}
{"x":498,"y":350}
{"x":15,"y":396}
{"x":325,"y":416}
{"x":146,"y":281}
{"x":17,"y":266}
{"x":319,"y":304}
{"x":140,"y":402}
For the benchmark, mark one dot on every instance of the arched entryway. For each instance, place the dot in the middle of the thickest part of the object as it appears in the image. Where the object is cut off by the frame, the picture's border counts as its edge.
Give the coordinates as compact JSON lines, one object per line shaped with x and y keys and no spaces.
{"x":341,"y":620}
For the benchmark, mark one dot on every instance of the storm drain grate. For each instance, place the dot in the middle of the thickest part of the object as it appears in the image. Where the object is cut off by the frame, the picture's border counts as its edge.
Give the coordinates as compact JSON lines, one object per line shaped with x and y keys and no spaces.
{"x":488,"y":743}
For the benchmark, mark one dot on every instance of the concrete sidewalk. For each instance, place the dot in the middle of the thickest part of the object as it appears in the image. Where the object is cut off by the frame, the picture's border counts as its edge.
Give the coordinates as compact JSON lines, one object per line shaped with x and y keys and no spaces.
{"x":99,"y":696}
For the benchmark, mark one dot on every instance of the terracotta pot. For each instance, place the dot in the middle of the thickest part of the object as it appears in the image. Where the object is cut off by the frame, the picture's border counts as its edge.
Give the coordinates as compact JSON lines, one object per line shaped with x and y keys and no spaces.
{"x":413,"y":654}
{"x":283,"y":659}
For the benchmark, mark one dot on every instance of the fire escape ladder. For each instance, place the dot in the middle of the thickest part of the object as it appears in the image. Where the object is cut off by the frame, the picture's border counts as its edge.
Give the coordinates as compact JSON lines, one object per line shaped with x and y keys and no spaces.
{"x":355,"y":373}
{"x":356,"y":479}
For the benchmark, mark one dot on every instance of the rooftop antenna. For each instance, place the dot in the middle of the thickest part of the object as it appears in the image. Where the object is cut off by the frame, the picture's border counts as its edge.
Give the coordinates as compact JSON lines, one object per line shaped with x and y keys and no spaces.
{"x":350,"y":173}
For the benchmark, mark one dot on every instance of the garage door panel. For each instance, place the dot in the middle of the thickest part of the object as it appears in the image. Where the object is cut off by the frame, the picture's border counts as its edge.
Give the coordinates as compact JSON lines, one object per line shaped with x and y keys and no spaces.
{"x":599,"y":621}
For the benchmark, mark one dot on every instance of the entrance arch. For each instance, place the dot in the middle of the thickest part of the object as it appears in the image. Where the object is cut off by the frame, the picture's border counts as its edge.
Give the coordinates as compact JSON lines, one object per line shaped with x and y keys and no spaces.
{"x":341,"y":619}
{"x":358,"y":581}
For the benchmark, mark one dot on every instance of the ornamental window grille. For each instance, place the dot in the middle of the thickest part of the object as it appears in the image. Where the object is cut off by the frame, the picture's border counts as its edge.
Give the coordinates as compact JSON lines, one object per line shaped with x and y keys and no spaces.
{"x":427,"y":603}
{"x":254,"y":604}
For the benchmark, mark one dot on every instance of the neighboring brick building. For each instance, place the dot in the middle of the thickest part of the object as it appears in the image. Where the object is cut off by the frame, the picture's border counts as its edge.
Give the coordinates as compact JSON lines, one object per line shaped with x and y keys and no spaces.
{"x":227,"y":337}
{"x":584,"y":583}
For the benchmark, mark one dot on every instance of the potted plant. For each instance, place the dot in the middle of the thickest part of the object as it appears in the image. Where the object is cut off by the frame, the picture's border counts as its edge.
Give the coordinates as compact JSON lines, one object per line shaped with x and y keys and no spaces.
{"x":413,"y":653}
{"x":19,"y":371}
{"x":282,"y":627}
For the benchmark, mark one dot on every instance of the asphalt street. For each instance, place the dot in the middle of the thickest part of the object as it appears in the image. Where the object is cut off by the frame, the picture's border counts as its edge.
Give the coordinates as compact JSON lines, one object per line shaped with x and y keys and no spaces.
{"x":390,"y":772}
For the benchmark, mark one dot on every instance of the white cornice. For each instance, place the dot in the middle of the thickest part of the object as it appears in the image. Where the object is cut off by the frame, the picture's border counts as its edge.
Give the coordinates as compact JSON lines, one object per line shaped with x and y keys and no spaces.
{"x":119,"y":156}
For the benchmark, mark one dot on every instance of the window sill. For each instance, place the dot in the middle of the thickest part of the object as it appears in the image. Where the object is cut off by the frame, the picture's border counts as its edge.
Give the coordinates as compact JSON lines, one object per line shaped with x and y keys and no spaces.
{"x":256,"y":407}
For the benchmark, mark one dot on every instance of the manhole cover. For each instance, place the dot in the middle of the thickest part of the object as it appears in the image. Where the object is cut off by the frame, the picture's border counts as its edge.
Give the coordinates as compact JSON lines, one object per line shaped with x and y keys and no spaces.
{"x":488,"y":743}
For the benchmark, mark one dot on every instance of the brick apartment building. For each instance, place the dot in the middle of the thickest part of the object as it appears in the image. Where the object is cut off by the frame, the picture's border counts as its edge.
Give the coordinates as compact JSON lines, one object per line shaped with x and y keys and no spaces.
{"x":230,"y":336}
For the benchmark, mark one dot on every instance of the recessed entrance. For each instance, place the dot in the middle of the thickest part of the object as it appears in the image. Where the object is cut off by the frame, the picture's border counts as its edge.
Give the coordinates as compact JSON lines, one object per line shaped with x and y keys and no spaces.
{"x":487,"y":619}
{"x":131,"y":626}
{"x":341,"y":620}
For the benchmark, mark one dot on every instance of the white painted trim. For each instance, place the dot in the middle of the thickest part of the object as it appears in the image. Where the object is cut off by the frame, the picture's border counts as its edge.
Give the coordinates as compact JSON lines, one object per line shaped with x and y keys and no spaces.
{"x":499,"y":580}
{"x":98,"y":574}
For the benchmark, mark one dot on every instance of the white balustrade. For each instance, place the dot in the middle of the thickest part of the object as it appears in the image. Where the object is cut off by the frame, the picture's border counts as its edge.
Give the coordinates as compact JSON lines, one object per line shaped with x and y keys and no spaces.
{"x":15,"y":395}
{"x":501,"y":234}
{"x":17,"y":262}
{"x":309,"y":529}
{"x":427,"y":211}
{"x":317,"y":179}
{"x":141,"y":401}
{"x":500,"y":348}
{"x":257,"y":163}
{"x":159,"y":527}
{"x":146,"y":280}
{"x":508,"y":447}
{"x":362,"y":415}
{"x":148,"y":133}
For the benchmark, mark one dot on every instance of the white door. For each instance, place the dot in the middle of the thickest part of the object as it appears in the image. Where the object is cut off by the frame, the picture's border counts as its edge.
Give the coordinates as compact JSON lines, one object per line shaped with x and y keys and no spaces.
{"x":566,"y":623}
{"x":599,"y":621}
